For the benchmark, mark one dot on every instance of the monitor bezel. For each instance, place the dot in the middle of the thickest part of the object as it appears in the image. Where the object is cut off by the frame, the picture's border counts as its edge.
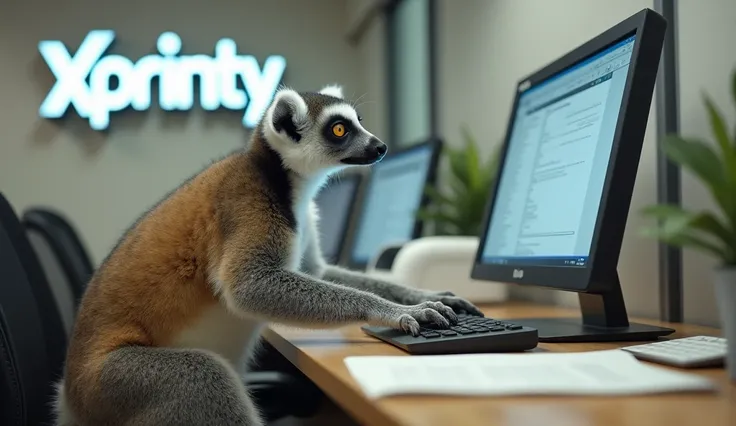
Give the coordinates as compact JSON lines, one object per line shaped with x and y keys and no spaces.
{"x":435,"y":144}
{"x":649,"y":29}
{"x":339,"y":179}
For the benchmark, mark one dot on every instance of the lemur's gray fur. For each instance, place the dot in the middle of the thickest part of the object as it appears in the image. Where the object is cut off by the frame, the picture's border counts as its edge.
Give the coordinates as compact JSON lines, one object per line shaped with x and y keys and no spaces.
{"x":197,"y":380}
{"x":173,"y":387}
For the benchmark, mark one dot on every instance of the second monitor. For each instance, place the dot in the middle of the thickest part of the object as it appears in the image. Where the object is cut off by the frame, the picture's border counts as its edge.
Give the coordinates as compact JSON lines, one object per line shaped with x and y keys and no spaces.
{"x":394,"y":193}
{"x":336,"y":204}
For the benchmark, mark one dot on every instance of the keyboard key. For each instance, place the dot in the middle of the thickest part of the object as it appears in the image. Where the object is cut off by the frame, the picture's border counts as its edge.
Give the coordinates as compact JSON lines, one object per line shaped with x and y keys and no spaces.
{"x":514,"y":327}
{"x":431,"y":326}
{"x":496,"y":329}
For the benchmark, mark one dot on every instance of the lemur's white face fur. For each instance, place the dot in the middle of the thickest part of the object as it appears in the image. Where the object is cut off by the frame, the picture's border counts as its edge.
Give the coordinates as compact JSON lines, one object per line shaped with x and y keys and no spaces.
{"x":318,"y":132}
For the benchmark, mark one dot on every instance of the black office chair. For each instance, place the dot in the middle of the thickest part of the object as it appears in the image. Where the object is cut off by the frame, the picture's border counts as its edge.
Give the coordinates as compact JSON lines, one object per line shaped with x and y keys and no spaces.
{"x":278,"y":388}
{"x":26,"y":372}
{"x":67,"y":246}
{"x":53,"y":329}
{"x":63,"y":258}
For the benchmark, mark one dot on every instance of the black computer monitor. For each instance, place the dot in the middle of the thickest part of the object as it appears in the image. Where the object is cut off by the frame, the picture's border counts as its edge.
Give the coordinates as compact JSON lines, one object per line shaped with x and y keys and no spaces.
{"x":394,"y":193}
{"x":557,"y":214}
{"x":336,"y":203}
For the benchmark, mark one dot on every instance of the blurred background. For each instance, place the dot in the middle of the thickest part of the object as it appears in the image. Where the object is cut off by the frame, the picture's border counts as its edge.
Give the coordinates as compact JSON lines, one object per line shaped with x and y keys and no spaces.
{"x":418,"y":67}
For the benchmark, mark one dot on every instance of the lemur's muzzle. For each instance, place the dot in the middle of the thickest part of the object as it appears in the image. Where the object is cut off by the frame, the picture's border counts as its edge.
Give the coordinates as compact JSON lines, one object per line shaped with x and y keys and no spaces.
{"x":372,"y":153}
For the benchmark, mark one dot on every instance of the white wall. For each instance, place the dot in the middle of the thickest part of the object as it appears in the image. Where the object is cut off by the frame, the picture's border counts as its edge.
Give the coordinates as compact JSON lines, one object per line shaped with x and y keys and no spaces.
{"x":707,"y":59}
{"x":486,"y":47}
{"x":104,"y":181}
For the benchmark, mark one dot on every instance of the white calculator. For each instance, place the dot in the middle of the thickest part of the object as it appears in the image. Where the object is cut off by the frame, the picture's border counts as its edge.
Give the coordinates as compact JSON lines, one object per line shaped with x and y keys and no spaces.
{"x":686,"y":352}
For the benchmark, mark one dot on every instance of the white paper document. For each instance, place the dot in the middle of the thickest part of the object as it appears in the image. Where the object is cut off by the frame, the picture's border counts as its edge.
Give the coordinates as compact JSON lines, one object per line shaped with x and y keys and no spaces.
{"x":613,"y":372}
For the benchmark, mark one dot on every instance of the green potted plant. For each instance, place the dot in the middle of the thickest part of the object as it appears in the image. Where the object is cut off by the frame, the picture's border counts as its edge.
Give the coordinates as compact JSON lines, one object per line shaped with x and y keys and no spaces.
{"x":713,"y":232}
{"x":457,"y":203}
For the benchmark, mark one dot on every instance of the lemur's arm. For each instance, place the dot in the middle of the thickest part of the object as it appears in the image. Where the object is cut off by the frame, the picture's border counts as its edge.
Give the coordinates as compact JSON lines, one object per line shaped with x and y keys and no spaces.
{"x":288,"y":297}
{"x":253,"y":281}
{"x":313,"y":263}
{"x":395,"y":292}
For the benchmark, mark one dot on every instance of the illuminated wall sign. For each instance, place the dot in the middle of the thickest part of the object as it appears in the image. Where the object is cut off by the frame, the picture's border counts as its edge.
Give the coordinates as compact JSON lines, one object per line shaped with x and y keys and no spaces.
{"x":83,"y":80}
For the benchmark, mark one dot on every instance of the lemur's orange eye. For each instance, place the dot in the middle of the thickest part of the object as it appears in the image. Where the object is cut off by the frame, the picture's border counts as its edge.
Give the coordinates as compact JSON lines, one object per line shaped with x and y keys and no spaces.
{"x":338,"y":130}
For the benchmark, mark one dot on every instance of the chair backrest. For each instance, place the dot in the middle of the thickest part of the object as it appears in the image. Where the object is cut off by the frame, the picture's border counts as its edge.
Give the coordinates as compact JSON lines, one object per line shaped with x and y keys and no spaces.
{"x":61,"y":285}
{"x":51,"y":232}
{"x":51,"y":320}
{"x":68,"y":237}
{"x":25,"y":380}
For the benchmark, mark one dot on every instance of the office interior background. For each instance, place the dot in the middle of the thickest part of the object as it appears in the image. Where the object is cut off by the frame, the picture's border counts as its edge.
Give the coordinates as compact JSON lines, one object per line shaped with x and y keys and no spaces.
{"x":420,"y":68}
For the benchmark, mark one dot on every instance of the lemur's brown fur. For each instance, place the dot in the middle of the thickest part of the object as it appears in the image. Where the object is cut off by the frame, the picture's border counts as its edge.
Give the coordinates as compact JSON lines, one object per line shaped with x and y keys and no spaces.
{"x":150,"y":304}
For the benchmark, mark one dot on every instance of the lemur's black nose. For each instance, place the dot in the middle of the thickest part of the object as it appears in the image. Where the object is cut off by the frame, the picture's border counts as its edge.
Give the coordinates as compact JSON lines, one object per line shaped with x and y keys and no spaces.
{"x":378,"y":147}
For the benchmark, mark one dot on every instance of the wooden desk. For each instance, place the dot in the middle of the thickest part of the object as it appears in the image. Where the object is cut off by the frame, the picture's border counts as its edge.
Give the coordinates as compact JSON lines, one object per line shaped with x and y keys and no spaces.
{"x":320,"y":354}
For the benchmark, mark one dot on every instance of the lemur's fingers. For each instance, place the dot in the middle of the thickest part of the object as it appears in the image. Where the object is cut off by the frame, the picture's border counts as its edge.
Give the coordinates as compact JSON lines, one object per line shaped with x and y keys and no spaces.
{"x":458,"y":304}
{"x":429,"y":315}
{"x":407,"y":318}
{"x":408,"y":324}
{"x":445,"y":311}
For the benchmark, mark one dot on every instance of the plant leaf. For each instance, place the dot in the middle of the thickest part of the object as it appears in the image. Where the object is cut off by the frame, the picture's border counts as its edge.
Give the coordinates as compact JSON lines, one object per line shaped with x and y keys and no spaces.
{"x":675,"y":217}
{"x":436,"y":196}
{"x":443,"y":228}
{"x":679,"y":227}
{"x":686,"y":240}
{"x":471,"y":159}
{"x":703,"y":161}
{"x":718,"y":127}
{"x":458,"y":186}
{"x":437,"y":216}
{"x":733,"y":94}
{"x":697,"y":156}
{"x":457,"y":164}
{"x":733,"y":89}
{"x":457,"y":207}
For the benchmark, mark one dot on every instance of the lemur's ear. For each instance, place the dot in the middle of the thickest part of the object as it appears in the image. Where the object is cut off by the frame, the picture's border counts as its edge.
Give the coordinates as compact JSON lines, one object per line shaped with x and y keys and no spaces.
{"x":332,"y":90}
{"x":288,"y":114}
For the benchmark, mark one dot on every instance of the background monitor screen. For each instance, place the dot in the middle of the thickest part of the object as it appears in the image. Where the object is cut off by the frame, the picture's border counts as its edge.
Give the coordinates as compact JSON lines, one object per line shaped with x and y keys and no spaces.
{"x":392,"y":198}
{"x":556,"y":162}
{"x":335,"y":203}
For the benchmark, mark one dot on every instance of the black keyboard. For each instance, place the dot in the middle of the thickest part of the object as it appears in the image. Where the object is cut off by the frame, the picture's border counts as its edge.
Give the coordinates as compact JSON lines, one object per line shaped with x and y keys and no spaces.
{"x":472,"y":334}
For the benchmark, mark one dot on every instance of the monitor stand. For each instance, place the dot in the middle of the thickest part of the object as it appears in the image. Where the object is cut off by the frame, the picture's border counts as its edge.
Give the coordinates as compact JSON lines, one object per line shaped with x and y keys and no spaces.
{"x":604,"y":319}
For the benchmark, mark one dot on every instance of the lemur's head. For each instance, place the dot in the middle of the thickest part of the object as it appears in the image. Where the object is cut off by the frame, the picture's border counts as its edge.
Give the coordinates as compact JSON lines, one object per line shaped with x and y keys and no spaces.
{"x":318,"y":132}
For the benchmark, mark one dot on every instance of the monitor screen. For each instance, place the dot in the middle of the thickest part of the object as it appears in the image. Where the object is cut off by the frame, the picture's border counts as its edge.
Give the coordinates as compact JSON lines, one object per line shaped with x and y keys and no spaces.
{"x":335,"y":203}
{"x":551,"y":183}
{"x":391,"y":201}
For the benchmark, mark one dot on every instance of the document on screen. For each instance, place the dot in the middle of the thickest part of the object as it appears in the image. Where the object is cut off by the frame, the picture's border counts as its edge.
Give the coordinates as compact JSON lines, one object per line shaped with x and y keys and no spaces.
{"x":611,"y":372}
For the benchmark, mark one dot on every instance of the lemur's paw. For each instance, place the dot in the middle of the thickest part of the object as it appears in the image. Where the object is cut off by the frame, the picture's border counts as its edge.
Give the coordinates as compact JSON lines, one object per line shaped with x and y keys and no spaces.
{"x":408,"y":318}
{"x":436,"y":312}
{"x":458,"y":304}
{"x":409,"y":325}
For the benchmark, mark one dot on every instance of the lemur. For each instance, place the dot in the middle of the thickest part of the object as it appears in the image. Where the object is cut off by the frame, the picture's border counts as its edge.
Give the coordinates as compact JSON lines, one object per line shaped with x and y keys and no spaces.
{"x":169,"y":317}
